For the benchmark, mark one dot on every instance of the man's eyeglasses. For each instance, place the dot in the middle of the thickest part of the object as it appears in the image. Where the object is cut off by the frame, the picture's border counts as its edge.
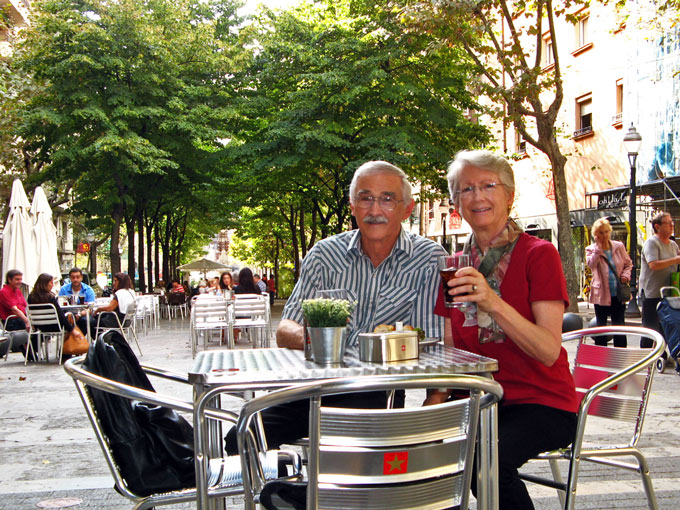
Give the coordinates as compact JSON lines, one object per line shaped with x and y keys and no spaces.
{"x":386,"y":202}
{"x":486,"y":189}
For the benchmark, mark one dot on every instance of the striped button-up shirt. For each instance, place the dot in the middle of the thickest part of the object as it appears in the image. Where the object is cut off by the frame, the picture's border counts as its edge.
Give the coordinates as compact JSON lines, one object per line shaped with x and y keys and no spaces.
{"x":402,"y":288}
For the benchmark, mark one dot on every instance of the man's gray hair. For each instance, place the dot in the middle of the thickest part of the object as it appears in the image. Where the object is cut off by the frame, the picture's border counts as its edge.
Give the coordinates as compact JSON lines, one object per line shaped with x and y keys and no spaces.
{"x":486,"y":160}
{"x":381,"y":167}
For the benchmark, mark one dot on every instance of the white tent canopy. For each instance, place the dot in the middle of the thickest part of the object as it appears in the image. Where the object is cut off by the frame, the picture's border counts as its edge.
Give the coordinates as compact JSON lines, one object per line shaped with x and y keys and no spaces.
{"x":45,"y":235}
{"x":18,"y":240}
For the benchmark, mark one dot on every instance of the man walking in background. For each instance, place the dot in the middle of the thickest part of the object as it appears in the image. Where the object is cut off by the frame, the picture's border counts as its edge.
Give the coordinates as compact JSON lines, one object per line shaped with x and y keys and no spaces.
{"x":659,"y":259}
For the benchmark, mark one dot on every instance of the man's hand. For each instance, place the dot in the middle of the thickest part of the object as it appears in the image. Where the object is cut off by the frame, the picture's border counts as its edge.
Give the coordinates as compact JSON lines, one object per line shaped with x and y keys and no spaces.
{"x":290,"y":334}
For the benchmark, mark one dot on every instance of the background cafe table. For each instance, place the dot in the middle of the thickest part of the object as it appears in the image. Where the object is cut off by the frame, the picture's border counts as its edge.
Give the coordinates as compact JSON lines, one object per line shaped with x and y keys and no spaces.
{"x":253,"y":369}
{"x":76,"y":309}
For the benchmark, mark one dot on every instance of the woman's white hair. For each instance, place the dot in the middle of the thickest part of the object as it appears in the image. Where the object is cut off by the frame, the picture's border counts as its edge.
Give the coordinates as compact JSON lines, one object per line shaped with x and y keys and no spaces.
{"x":601,"y":224}
{"x":381,"y":167}
{"x":486,"y":160}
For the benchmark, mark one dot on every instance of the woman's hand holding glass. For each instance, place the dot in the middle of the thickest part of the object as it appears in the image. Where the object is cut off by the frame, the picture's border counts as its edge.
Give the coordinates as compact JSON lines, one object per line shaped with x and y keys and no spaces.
{"x":470,"y":286}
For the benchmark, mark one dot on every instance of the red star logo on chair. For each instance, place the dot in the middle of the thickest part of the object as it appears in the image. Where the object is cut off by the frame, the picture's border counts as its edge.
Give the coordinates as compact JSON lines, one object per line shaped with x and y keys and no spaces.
{"x":395,"y":463}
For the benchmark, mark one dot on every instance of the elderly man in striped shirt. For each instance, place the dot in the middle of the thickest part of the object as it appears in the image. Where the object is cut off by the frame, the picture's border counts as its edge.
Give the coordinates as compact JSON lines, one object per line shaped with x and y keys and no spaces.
{"x":392,"y":275}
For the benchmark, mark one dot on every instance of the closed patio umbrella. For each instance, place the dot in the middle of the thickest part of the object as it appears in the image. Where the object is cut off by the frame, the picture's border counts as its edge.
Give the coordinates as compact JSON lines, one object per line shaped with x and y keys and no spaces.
{"x":45,"y":235}
{"x":18,"y":244}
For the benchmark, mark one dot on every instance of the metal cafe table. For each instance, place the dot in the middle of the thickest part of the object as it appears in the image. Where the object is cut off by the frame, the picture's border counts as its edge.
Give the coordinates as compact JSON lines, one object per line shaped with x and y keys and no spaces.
{"x":246,"y":370}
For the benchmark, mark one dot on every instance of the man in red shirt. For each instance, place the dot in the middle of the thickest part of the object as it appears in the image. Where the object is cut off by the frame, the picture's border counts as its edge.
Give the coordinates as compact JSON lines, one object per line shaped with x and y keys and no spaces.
{"x":12,"y":302}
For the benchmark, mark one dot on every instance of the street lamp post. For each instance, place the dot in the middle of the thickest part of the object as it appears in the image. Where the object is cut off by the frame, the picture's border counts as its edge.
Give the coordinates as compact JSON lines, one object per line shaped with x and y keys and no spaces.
{"x":632,"y":142}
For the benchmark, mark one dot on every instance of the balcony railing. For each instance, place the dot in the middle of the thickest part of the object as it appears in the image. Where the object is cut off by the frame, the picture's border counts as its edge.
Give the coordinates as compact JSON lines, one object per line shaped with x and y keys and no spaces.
{"x":618,"y":118}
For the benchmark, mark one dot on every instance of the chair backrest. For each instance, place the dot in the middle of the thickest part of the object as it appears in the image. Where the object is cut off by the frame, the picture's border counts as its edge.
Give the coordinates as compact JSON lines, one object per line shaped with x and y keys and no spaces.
{"x":41,"y":315}
{"x":406,"y":458}
{"x":209,"y":310}
{"x":176,"y":298}
{"x":113,"y":389}
{"x":251,"y":306}
{"x":129,"y":316}
{"x":614,"y":382}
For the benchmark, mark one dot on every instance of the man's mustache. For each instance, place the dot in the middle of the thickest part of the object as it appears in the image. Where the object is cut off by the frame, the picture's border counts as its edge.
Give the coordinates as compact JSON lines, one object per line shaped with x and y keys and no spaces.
{"x":375,"y":220}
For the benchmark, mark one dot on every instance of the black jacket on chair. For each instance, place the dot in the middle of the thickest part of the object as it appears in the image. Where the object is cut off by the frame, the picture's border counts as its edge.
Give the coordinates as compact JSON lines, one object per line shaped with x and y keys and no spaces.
{"x":152,"y":445}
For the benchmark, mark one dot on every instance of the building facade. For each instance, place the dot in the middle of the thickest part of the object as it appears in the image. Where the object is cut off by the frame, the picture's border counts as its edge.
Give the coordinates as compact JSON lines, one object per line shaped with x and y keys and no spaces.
{"x":620,"y":66}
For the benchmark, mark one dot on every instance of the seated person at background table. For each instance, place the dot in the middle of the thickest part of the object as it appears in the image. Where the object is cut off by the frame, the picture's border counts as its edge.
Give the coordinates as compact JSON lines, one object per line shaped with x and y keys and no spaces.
{"x":175,"y":286}
{"x":77,"y":288}
{"x":42,"y":294}
{"x":160,"y":287}
{"x":226,"y":281}
{"x":515,"y":293}
{"x":604,"y":284}
{"x":246,"y":283}
{"x":123,"y":296}
{"x":12,"y":302}
{"x":392,"y":275}
{"x":260,"y":284}
{"x":213,"y":285}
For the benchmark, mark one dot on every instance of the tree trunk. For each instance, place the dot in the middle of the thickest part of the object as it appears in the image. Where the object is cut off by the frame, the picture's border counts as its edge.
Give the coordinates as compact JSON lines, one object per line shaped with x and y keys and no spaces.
{"x":276,"y":265}
{"x":157,"y":249}
{"x":565,"y":244}
{"x":167,"y":276}
{"x":140,"y":249}
{"x":302,"y":233}
{"x":130,"y":225}
{"x":114,"y":252}
{"x":149,"y":253}
{"x":92,"y":259}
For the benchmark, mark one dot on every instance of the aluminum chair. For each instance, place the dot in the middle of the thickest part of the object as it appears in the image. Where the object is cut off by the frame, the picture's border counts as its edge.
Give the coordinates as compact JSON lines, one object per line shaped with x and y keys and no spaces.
{"x":223,"y":474}
{"x":613,"y":383}
{"x":207,"y":316}
{"x":394,"y":459}
{"x":249,"y":312}
{"x":126,"y":326}
{"x":176,"y":302}
{"x":7,"y":339}
{"x":41,"y":316}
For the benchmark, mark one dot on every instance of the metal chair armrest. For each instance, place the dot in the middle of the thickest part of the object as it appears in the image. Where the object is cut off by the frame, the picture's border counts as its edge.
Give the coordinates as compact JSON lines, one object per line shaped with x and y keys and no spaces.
{"x":166,"y":374}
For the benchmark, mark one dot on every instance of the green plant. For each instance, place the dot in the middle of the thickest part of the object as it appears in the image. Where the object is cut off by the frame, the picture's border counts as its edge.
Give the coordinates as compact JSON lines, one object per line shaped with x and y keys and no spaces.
{"x":327,"y":313}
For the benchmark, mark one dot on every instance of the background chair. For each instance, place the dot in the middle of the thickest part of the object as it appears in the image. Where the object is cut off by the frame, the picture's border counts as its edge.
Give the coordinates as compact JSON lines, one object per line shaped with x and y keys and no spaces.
{"x":126,"y":326}
{"x":250,"y":312}
{"x":15,"y":338}
{"x":223,"y":474}
{"x":613,"y":383}
{"x":208,"y":316}
{"x":393,"y":459}
{"x":176,"y":303}
{"x":45,"y":324}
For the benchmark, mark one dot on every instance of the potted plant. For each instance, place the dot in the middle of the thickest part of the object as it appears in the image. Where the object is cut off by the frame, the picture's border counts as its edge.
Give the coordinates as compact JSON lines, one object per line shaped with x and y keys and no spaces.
{"x":326,"y":328}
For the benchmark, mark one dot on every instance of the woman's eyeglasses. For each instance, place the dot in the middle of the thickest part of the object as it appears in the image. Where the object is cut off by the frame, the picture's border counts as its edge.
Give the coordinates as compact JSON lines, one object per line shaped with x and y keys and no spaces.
{"x":486,"y":189}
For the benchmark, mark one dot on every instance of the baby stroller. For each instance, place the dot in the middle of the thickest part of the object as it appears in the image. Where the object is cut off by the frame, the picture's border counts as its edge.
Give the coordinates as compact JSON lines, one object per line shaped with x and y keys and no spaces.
{"x":668,"y":311}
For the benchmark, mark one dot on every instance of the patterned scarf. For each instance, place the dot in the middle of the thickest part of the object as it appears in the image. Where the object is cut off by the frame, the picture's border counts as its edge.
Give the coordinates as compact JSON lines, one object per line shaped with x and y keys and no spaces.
{"x":493,"y":265}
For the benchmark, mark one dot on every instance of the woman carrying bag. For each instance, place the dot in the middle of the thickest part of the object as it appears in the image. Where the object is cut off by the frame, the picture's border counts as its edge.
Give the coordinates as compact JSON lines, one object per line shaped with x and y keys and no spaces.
{"x":611,"y":266}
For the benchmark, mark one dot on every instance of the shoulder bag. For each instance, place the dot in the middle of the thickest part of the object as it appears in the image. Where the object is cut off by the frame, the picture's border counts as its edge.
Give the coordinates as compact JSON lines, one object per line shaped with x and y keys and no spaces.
{"x":623,"y":293}
{"x":75,"y":342}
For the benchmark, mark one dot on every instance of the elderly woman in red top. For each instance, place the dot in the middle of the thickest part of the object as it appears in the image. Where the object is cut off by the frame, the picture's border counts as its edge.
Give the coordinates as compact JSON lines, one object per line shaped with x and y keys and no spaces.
{"x":513,"y":297}
{"x":604,"y":284}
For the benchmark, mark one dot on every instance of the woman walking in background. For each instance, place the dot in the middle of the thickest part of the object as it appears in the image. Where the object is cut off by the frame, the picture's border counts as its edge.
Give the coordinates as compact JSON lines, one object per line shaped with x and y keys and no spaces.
{"x":605,"y":280}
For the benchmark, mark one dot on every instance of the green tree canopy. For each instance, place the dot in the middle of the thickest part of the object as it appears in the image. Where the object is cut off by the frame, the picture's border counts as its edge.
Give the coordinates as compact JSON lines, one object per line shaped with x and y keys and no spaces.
{"x":135,"y":100}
